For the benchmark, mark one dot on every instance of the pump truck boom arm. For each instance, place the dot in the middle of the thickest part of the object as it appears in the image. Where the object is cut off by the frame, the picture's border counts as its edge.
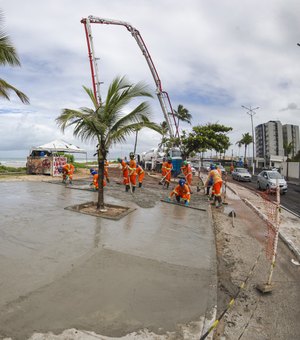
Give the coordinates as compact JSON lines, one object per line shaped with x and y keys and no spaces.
{"x":163,"y":96}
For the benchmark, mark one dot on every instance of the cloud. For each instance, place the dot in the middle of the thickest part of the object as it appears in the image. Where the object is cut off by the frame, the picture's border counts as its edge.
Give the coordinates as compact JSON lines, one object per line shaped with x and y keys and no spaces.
{"x":291,"y":106}
{"x":211,"y":56}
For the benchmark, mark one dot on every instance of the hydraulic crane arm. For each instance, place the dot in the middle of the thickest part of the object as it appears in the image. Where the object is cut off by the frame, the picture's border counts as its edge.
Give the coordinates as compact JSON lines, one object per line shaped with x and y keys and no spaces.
{"x":163,"y":96}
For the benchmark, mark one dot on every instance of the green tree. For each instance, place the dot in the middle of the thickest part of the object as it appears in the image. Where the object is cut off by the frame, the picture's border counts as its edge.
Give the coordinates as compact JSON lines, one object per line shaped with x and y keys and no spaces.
{"x":205,"y":137}
{"x":8,"y":56}
{"x":182,"y":114}
{"x":106,"y":123}
{"x":246,"y":140}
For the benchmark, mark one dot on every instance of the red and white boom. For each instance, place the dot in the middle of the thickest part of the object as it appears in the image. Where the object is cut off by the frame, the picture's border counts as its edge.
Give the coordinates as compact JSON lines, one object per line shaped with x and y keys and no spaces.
{"x":163,"y":96}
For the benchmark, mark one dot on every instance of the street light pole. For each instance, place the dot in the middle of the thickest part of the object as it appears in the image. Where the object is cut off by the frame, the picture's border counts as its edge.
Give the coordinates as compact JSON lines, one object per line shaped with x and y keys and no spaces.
{"x":251,"y":113}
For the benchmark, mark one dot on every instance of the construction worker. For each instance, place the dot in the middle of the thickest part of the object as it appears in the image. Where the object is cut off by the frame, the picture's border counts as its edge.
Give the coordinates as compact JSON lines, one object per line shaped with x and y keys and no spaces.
{"x":187,"y":171}
{"x":141,"y":174}
{"x":125,"y":171}
{"x":68,"y":170}
{"x":95,"y":175}
{"x":106,"y":170}
{"x":132,"y":171}
{"x":181,"y":191}
{"x":163,"y":167}
{"x":169,"y":168}
{"x":216,"y":178}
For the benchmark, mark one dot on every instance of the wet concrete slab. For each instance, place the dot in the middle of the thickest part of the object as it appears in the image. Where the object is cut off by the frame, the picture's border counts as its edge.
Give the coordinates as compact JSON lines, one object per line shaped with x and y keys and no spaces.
{"x":155,"y":268}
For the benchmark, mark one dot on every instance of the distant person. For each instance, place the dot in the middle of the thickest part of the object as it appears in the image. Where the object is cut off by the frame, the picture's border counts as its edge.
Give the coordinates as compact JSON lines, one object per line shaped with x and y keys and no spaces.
{"x":124,"y":168}
{"x":95,"y":175}
{"x":132,"y":171}
{"x":169,"y":168}
{"x":187,"y":171}
{"x":181,"y":191}
{"x":141,"y":174}
{"x":67,"y":171}
{"x":216,"y":178}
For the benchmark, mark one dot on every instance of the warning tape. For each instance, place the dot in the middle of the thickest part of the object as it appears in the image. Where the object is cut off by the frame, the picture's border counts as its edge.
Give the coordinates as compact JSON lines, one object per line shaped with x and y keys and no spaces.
{"x":232,"y":300}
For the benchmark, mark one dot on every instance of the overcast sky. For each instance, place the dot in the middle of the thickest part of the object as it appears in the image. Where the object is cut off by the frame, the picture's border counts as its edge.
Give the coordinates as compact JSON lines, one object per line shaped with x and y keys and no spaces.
{"x":212,"y":57}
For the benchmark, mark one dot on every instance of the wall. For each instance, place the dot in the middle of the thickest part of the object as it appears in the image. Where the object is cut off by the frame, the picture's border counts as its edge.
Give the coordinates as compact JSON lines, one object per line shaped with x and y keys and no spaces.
{"x":293,"y":170}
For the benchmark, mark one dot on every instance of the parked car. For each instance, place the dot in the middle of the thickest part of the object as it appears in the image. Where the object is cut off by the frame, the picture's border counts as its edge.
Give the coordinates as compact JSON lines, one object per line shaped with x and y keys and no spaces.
{"x":267,"y":180}
{"x":241,"y":174}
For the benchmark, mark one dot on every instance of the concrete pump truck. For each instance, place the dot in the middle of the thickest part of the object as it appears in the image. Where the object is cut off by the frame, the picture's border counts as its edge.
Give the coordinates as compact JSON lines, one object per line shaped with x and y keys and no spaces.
{"x":162,"y":95}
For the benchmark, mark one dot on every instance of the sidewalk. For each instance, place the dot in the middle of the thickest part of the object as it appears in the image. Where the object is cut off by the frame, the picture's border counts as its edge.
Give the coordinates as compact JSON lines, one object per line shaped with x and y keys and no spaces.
{"x":151,"y":274}
{"x":289,"y":230}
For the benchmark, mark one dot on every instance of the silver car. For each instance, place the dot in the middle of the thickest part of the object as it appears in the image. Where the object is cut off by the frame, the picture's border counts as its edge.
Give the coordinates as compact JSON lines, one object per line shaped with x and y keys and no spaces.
{"x":268,"y":179}
{"x":241,"y":174}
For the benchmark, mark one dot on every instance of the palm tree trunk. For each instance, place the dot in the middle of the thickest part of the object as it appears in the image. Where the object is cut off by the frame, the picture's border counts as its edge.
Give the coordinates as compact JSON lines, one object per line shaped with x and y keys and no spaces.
{"x":101,"y":158}
{"x":135,"y":142}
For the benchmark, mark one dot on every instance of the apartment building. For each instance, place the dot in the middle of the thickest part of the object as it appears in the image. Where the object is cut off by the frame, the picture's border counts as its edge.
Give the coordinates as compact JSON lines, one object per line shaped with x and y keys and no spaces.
{"x":291,"y":135}
{"x":269,"y":139}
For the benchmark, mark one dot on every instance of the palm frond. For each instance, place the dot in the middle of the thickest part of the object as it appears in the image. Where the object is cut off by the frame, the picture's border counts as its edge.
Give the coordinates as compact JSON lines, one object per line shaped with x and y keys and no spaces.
{"x":5,"y":88}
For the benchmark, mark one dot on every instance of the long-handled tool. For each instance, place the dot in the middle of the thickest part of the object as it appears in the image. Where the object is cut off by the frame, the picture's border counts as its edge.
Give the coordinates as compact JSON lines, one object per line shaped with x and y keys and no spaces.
{"x":225,"y":186}
{"x":182,"y":205}
{"x":163,"y":179}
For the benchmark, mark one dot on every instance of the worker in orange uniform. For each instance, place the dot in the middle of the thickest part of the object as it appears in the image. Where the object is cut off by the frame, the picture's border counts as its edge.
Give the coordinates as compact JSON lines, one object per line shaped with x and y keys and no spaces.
{"x":132,"y":171}
{"x":125,"y":172}
{"x":106,"y":170}
{"x":187,"y":171}
{"x":95,"y":175}
{"x":141,"y":174}
{"x":216,"y":178}
{"x":68,"y":170}
{"x":181,"y":191}
{"x":163,"y":168}
{"x":169,"y":168}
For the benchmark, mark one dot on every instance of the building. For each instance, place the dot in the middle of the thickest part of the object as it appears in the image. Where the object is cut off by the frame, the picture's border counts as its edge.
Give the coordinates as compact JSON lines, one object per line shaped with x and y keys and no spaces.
{"x":269,"y":139}
{"x":291,"y":135}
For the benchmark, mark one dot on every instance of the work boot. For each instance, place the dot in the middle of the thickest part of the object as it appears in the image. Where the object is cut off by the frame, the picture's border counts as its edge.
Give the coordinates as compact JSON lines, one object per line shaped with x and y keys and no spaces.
{"x":133,"y":189}
{"x":127,"y":188}
{"x":140,"y":185}
{"x":218,"y":202}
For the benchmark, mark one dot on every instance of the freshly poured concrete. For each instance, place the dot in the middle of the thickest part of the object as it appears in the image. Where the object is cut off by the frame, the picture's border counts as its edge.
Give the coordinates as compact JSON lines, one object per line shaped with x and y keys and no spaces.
{"x":154,"y":268}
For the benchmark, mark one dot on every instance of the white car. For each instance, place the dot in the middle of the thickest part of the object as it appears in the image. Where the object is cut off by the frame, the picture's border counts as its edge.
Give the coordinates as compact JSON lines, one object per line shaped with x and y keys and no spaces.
{"x":268,"y":179}
{"x":241,"y":174}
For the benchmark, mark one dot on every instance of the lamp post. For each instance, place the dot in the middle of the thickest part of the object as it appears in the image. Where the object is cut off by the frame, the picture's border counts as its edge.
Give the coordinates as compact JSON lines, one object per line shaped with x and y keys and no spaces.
{"x":251,"y":113}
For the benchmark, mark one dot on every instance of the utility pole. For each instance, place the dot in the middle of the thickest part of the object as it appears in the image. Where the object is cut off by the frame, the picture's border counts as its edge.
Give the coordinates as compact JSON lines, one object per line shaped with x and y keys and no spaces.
{"x":251,"y":113}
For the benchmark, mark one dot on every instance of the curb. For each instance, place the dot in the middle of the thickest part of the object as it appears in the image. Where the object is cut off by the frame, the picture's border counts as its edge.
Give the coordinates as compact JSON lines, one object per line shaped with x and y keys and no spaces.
{"x":287,"y":241}
{"x":211,"y":315}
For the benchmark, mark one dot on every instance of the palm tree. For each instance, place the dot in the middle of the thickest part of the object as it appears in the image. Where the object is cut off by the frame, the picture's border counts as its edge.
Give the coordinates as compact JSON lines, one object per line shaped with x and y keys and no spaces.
{"x":239,"y":146}
{"x":8,"y":56}
{"x":288,"y":148}
{"x":246,"y":140}
{"x":136,"y":138}
{"x":182,"y":114}
{"x":106,"y":123}
{"x":164,"y":132}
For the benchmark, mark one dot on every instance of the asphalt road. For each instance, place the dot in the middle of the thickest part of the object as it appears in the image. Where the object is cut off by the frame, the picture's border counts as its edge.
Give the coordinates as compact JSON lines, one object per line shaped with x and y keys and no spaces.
{"x":290,"y":200}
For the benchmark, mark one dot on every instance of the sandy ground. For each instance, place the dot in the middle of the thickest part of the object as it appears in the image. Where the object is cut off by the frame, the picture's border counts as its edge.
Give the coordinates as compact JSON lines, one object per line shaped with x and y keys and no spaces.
{"x":241,"y":248}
